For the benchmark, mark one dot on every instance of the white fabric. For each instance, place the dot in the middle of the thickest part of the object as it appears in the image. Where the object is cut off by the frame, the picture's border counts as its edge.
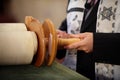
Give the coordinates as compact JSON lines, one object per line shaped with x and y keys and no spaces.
{"x":74,"y":21}
{"x":117,"y":21}
{"x":108,"y":22}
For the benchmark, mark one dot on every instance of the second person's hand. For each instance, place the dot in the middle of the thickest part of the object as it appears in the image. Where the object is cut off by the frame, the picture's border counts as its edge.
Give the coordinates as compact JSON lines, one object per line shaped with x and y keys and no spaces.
{"x":85,"y":44}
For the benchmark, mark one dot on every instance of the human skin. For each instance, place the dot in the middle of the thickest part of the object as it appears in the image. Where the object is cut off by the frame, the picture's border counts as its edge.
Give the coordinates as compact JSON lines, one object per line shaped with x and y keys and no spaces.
{"x":85,"y":43}
{"x":61,"y":34}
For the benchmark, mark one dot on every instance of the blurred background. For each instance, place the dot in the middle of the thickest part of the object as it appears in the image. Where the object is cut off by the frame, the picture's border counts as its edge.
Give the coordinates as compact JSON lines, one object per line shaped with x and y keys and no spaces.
{"x":16,"y":10}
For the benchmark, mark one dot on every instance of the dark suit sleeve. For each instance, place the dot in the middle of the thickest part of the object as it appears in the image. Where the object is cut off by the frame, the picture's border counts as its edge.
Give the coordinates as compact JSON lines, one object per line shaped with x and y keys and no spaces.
{"x":63,"y":25}
{"x":107,"y":47}
{"x":61,"y":53}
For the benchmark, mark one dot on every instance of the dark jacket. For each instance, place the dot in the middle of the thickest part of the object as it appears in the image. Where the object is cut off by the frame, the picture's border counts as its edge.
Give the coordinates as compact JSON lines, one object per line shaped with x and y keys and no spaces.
{"x":107,"y":48}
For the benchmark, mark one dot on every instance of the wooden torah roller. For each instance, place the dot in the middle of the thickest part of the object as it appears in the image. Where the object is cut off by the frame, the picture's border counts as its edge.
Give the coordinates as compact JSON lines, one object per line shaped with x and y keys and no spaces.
{"x":48,"y":42}
{"x":30,"y":42}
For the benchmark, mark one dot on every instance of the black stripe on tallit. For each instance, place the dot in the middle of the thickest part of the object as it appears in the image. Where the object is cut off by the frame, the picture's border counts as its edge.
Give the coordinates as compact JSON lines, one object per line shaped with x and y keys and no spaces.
{"x":76,"y":10}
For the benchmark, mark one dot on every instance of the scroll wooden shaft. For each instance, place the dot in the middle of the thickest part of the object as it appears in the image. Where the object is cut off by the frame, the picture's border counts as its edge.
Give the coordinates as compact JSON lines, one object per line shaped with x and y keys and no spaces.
{"x":47,"y":40}
{"x":64,"y":42}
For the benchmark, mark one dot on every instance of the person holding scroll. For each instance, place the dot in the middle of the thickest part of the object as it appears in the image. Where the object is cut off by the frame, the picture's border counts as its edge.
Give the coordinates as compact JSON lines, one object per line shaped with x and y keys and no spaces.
{"x":84,"y":62}
{"x":104,"y":44}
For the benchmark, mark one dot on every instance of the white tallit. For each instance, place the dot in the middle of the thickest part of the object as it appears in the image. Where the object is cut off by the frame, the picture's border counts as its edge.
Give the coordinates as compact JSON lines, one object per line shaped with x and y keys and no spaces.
{"x":108,"y":21}
{"x":74,"y":21}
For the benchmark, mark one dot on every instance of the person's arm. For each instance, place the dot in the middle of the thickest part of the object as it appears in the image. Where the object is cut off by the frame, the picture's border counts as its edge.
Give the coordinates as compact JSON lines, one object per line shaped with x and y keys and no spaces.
{"x":106,"y":47}
{"x":62,"y":52}
{"x":63,"y":26}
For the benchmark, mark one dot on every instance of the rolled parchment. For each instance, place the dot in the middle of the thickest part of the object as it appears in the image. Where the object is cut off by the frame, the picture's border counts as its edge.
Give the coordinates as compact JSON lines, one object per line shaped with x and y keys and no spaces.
{"x":17,"y":47}
{"x":12,"y":27}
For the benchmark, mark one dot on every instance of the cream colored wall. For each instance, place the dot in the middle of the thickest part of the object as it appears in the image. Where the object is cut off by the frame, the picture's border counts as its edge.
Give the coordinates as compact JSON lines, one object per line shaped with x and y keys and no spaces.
{"x":40,"y":9}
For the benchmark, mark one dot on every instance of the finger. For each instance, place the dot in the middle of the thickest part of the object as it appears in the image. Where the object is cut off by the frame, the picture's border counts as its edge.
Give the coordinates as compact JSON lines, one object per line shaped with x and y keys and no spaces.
{"x":79,"y":48}
{"x":73,"y":36}
{"x":80,"y":36}
{"x":73,"y":45}
{"x":58,"y":36}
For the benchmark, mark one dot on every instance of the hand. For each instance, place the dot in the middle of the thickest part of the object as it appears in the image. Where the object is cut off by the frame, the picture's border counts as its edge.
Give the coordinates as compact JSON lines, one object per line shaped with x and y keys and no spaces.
{"x":85,"y":43}
{"x":61,"y":34}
